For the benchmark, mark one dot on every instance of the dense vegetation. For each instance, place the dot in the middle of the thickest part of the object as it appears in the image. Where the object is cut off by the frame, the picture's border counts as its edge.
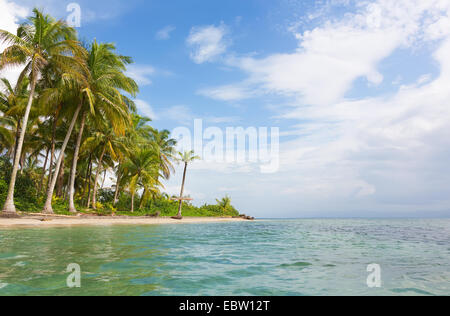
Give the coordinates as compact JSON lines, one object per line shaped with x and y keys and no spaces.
{"x":70,"y":121}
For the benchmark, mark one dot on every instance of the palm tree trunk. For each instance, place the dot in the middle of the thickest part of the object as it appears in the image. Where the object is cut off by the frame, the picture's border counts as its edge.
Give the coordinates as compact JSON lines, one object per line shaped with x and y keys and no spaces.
{"x":48,"y":209}
{"x":88,"y":203}
{"x":116,"y":194}
{"x":52,"y":155}
{"x":73,"y":172}
{"x":141,"y":205}
{"x":22,"y":162}
{"x":104,"y":178}
{"x":182,"y":191}
{"x":9,"y":208}
{"x":16,"y":144}
{"x":99,"y":170}
{"x":44,"y":171}
{"x":60,"y":181}
{"x":132,"y":202}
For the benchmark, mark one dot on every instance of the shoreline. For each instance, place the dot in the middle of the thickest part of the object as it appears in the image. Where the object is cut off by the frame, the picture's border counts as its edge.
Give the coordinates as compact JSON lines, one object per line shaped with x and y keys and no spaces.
{"x":66,"y":221}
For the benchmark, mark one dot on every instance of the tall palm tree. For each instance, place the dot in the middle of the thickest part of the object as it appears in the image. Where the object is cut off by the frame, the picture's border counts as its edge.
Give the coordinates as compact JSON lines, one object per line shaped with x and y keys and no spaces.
{"x":186,"y":158}
{"x":105,"y":82}
{"x":48,"y":209}
{"x":38,"y":41}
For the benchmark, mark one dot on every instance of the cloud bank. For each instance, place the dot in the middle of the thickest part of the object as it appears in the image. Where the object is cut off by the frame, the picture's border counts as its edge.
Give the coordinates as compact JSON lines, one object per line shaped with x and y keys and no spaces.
{"x":377,"y":155}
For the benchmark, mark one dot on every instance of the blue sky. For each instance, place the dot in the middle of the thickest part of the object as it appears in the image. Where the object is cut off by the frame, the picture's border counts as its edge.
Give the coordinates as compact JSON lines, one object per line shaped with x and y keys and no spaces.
{"x":359,"y":90}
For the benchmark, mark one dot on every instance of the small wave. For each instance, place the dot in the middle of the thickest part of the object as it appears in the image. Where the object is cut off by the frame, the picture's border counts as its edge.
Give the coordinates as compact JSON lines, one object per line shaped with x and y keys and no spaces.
{"x":413,"y":290}
{"x":11,"y":256}
{"x":3,"y":285}
{"x":299,"y":264}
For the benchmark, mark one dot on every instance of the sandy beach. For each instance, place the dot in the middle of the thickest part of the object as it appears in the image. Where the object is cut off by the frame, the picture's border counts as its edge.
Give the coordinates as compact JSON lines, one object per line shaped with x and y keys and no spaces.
{"x":56,"y":221}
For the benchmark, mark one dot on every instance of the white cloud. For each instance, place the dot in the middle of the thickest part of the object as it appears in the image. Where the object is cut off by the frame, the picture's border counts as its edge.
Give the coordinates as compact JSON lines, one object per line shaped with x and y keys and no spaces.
{"x":10,"y":16}
{"x":389,"y":148}
{"x":227,"y":92}
{"x":141,"y":74}
{"x":331,"y":57}
{"x":183,"y":114}
{"x":180,"y":114}
{"x":385,"y":154}
{"x":207,"y":43}
{"x":145,"y":109}
{"x":164,"y":33}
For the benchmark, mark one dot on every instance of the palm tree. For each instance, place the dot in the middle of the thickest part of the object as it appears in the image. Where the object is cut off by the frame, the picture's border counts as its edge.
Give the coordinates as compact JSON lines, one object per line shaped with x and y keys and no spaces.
{"x":187,"y":158}
{"x":48,"y":203}
{"x":106,"y":80}
{"x":43,"y":142}
{"x":225,"y":203}
{"x":138,"y":134}
{"x":166,"y":150}
{"x":39,"y":41}
{"x":142,"y":169}
{"x":6,"y":139}
{"x":13,"y":101}
{"x":104,"y":141}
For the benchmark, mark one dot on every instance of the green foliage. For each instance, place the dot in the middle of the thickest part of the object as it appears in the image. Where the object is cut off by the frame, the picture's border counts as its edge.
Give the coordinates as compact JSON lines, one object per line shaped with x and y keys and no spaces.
{"x":60,"y":206}
{"x":169,"y":208}
{"x":106,"y":196}
{"x":3,"y":191}
{"x":25,"y":189}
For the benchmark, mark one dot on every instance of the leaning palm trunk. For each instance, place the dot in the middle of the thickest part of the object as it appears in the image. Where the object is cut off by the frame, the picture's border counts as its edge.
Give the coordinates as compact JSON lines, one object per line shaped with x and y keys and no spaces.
{"x":182,"y":191}
{"x":73,"y":172}
{"x":44,"y":171}
{"x":97,"y":175}
{"x":48,"y":209}
{"x":141,"y":205}
{"x":88,"y":179}
{"x":60,"y":181}
{"x":9,"y":208}
{"x":104,"y":179}
{"x":116,"y":194}
{"x":52,"y":152}
{"x":16,"y":140}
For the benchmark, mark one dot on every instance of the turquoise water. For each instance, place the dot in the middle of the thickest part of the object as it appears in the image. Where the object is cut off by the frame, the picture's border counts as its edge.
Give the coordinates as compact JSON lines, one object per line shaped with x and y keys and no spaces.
{"x":276,"y":257}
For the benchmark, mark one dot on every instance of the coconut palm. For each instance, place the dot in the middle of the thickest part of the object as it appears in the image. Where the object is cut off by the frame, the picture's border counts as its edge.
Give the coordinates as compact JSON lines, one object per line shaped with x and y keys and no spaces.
{"x":13,"y":101}
{"x":138,"y":134}
{"x":106,"y":80}
{"x":141,"y":169}
{"x":38,"y":42}
{"x":186,"y":158}
{"x":105,"y":142}
{"x":224,"y":203}
{"x":166,"y":150}
{"x":6,"y":139}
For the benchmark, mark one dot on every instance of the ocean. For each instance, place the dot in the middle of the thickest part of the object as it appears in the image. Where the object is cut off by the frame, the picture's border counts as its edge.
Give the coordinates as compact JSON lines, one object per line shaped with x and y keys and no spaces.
{"x":262,"y":258}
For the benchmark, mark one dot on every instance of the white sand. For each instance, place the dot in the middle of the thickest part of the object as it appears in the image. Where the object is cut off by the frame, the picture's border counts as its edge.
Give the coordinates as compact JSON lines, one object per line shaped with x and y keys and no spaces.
{"x":36,"y":221}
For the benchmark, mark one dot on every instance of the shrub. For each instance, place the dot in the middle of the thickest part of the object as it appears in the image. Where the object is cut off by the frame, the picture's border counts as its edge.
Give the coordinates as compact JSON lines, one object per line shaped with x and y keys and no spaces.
{"x":25,"y":194}
{"x":106,"y":196}
{"x":3,"y":191}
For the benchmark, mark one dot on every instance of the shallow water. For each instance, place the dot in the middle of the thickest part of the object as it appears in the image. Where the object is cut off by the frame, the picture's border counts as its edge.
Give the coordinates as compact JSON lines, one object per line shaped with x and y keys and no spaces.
{"x":274,"y":257}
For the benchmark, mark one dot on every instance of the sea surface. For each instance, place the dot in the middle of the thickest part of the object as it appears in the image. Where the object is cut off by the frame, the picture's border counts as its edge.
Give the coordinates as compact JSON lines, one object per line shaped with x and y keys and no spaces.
{"x":266,"y":257}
